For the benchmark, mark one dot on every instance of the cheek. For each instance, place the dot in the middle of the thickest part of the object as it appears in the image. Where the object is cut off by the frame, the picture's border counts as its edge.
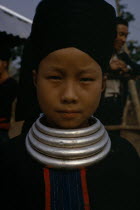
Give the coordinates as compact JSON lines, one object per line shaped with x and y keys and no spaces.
{"x":119,"y":39}
{"x":96,"y":99}
{"x":93,"y":96}
{"x":45,"y":102}
{"x":47,"y":95}
{"x":42,"y":93}
{"x":97,"y":93}
{"x":95,"y":104}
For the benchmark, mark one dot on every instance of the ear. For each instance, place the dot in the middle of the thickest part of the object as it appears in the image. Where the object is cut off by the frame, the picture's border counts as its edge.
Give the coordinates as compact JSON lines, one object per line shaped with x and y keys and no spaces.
{"x":104,"y":82}
{"x":34,"y":73}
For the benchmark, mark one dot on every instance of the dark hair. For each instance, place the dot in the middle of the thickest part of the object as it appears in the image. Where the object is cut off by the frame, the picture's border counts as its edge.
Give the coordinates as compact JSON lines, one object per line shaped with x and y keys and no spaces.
{"x":5,"y":54}
{"x":7,"y":43}
{"x":121,"y":20}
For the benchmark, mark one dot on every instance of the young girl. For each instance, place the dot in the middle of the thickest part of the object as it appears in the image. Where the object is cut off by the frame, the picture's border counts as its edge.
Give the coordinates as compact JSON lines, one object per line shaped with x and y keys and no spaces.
{"x":67,"y":159}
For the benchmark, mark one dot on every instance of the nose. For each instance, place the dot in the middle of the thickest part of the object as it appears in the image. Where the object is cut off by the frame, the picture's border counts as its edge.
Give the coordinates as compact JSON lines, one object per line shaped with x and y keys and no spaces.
{"x":69,"y":93}
{"x":123,"y":39}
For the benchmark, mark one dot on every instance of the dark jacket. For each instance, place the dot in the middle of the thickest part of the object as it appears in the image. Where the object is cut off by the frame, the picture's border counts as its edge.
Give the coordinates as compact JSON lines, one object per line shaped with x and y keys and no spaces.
{"x":135,"y":68}
{"x":112,"y":184}
{"x":8,"y":93}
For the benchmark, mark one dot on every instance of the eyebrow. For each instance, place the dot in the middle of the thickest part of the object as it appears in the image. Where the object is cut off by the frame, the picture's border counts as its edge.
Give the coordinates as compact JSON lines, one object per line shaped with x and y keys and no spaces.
{"x":56,"y":69}
{"x":61,"y":70}
{"x":126,"y":33}
{"x":88,"y":70}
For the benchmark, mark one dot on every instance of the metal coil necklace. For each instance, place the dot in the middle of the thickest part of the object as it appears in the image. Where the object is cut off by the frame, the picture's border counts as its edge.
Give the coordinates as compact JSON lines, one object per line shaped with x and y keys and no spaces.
{"x":68,"y":148}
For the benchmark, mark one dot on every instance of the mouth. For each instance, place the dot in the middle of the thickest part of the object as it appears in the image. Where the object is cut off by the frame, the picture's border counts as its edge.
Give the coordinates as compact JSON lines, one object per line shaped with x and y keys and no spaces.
{"x":119,"y":44}
{"x":69,"y":111}
{"x":69,"y":114}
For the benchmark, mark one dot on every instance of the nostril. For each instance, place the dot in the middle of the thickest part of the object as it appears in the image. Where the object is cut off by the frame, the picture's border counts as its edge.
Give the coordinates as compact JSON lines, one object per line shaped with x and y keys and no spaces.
{"x":67,"y":100}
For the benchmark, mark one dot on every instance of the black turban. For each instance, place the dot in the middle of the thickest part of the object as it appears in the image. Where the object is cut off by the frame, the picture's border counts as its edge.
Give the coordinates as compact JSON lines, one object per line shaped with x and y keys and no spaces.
{"x":88,"y":25}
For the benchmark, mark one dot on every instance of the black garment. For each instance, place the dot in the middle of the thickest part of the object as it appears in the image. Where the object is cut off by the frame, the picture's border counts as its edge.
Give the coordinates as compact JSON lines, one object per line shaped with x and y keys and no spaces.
{"x":135,"y":68}
{"x":27,"y":107}
{"x":110,"y":110}
{"x":8,"y":92}
{"x":113,"y":183}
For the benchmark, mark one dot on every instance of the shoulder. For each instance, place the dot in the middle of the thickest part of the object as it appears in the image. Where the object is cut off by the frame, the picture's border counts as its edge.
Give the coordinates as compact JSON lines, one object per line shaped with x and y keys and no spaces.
{"x":13,"y":150}
{"x":124,"y":154}
{"x":9,"y":83}
{"x":120,"y":144}
{"x":12,"y":81}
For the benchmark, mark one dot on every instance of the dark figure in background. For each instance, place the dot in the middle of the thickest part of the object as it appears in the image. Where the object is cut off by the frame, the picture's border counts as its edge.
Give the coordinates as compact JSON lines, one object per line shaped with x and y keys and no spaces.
{"x":8,"y":90}
{"x":122,"y":62}
{"x":120,"y":70}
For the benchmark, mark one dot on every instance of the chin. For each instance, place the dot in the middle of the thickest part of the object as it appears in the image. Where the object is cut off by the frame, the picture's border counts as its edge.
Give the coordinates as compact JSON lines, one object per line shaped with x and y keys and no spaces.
{"x":71,"y":125}
{"x":68,"y":126}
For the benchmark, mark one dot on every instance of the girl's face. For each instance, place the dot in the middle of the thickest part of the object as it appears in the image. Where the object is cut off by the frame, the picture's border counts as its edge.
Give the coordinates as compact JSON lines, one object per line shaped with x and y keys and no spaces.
{"x":69,"y":85}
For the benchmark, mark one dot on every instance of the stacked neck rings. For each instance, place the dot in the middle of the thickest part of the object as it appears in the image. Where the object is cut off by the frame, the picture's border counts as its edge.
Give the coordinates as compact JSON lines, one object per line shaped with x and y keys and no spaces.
{"x":68,"y":148}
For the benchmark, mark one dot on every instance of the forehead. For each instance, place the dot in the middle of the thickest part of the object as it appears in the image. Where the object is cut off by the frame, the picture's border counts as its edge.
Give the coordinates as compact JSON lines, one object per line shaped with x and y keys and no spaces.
{"x":68,"y":59}
{"x":122,"y":28}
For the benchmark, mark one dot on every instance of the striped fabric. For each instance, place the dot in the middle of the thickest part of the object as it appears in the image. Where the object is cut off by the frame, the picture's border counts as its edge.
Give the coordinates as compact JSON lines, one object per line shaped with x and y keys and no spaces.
{"x":66,"y":190}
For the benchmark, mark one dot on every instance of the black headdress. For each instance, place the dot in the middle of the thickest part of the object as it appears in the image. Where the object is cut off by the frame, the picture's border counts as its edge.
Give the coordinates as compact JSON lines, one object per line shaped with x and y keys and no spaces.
{"x":88,"y":25}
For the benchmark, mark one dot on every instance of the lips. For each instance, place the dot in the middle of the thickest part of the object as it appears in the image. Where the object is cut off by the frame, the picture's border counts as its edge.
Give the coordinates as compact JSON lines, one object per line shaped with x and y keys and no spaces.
{"x":69,"y":111}
{"x":69,"y":114}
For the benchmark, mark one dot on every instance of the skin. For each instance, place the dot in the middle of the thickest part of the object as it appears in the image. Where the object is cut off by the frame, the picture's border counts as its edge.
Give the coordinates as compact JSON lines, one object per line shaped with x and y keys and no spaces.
{"x":3,"y":71}
{"x":69,"y":84}
{"x":118,"y":64}
{"x":122,"y":33}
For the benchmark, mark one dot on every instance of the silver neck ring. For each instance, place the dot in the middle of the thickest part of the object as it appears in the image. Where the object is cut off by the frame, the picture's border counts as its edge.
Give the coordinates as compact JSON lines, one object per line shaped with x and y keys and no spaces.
{"x":68,"y":148}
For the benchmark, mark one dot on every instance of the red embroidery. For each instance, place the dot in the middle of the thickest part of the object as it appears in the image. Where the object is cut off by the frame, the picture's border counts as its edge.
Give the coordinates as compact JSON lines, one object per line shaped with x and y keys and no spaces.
{"x":84,"y":189}
{"x":47,"y":189}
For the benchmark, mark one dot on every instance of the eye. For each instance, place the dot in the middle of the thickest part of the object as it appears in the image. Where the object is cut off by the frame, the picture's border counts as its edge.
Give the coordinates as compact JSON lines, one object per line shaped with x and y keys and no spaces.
{"x":122,"y":34}
{"x":54,"y":77}
{"x":86,"y":79}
